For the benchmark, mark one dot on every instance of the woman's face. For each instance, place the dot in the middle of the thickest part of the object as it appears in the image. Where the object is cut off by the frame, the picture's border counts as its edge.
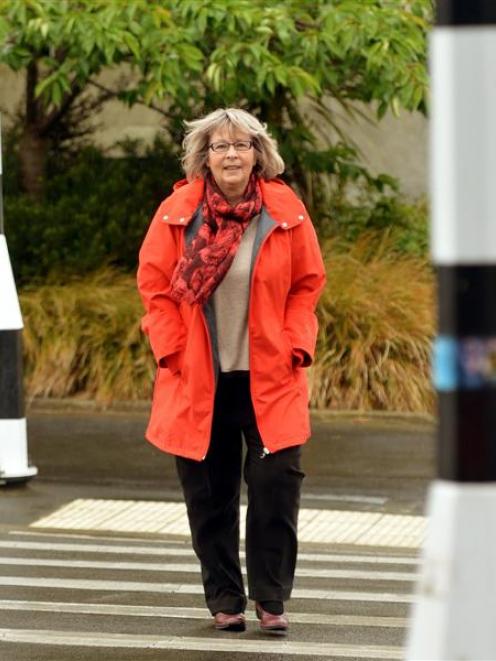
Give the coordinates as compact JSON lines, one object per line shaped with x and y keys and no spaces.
{"x":231,"y":169}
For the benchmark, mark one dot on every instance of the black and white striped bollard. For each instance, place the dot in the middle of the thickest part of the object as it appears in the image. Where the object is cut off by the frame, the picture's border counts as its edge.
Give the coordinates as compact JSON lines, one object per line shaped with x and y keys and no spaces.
{"x":454,"y":613}
{"x":14,"y":465}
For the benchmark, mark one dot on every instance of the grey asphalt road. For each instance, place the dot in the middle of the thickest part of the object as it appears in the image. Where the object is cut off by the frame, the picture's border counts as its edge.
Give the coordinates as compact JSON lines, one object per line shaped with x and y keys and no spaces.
{"x":370,"y":456}
{"x":109,"y":596}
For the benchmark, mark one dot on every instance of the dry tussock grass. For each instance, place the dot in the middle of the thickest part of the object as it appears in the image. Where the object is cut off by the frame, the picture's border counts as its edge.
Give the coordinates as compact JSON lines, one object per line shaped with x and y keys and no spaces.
{"x":83,"y":338}
{"x":376,"y":326}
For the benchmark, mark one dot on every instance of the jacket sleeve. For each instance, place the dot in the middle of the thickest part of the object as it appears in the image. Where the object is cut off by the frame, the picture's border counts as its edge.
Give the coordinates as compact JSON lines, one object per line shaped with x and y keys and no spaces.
{"x":307,"y":282}
{"x":162,"y":322}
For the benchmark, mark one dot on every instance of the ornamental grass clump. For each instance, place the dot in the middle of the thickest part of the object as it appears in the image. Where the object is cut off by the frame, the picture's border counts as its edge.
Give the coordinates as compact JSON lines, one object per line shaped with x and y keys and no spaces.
{"x":376,"y":320}
{"x":83,"y":339}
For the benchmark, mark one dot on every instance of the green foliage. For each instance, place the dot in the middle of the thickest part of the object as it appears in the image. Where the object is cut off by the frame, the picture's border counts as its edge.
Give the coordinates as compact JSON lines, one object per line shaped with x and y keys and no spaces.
{"x":352,"y":49}
{"x":72,"y":42}
{"x":376,"y":215}
{"x":95,"y":211}
{"x":285,"y":60}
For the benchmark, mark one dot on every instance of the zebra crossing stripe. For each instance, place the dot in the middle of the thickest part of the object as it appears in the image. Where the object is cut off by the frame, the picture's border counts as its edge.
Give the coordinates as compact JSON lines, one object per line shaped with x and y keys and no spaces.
{"x":162,"y":550}
{"x":194,"y":568}
{"x":116,"y":640}
{"x":191,"y":613}
{"x":182,"y":588}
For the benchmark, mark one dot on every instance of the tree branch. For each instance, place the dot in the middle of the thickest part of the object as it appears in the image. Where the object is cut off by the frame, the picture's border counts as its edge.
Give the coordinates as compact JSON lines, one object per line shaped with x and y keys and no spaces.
{"x":115,"y":93}
{"x":56,"y":114}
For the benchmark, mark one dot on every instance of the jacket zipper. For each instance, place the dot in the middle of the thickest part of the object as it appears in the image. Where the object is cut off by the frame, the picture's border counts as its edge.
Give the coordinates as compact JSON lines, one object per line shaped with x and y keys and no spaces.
{"x":265,"y":450}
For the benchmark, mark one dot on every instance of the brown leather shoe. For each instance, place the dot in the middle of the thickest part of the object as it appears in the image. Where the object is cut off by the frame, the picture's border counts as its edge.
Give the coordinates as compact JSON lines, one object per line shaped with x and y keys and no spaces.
{"x":229,"y":621}
{"x":277,"y":624}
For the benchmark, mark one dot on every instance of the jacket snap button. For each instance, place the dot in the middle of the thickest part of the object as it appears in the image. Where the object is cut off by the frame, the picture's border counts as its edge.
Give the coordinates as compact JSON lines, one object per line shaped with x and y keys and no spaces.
{"x":284,"y":225}
{"x":181,"y":220}
{"x":165,"y":217}
{"x":300,"y":217}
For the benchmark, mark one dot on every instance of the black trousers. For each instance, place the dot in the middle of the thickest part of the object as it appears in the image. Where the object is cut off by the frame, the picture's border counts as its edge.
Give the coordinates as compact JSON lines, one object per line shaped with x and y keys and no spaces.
{"x":212,"y":494}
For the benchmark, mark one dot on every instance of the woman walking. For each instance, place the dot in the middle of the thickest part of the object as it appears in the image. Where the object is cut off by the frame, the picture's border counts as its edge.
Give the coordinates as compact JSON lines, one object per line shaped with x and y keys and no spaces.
{"x":230,"y":273}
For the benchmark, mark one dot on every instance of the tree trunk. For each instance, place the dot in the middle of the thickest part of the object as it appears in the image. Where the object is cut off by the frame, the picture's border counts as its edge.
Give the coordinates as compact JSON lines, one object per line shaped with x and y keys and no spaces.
{"x":33,"y":147}
{"x":32,"y":153}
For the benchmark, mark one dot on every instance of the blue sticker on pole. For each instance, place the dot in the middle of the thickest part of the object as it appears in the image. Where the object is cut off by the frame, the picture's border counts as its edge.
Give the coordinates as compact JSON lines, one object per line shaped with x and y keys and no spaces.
{"x":467,"y":363}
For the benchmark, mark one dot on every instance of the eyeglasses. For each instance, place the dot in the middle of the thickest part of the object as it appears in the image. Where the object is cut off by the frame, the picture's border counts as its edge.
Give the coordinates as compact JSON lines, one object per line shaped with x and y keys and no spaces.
{"x":222,"y":146}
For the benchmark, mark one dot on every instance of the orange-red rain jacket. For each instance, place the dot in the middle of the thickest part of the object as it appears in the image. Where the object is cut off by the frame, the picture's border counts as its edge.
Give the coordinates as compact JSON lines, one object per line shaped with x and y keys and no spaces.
{"x":287,"y":276}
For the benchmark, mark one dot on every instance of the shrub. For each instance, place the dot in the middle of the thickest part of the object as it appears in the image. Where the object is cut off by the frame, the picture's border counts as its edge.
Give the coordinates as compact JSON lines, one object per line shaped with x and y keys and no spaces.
{"x":83,"y":339}
{"x":376,"y":325}
{"x":95,"y":211}
{"x":404,"y":222}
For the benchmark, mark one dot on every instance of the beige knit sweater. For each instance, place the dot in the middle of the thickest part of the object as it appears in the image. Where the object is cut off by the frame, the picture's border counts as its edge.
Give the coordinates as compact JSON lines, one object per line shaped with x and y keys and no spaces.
{"x":230,"y":301}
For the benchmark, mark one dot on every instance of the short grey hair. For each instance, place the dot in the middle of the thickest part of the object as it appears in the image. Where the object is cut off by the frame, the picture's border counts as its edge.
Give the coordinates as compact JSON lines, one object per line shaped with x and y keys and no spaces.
{"x":198,"y":131}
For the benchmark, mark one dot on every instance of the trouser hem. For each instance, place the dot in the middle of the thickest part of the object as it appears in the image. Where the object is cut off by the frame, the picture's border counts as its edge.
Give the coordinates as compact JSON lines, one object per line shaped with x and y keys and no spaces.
{"x":270,"y":595}
{"x":227,"y":605}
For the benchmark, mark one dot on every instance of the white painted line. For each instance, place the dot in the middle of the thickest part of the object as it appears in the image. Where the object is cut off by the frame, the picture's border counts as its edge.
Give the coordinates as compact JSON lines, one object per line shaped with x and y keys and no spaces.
{"x":184,"y":613}
{"x":361,"y":559}
{"x":135,"y":539}
{"x":188,"y":568}
{"x":210,"y":644}
{"x":164,"y":551}
{"x":315,"y":525}
{"x":345,"y":498}
{"x":183,"y":588}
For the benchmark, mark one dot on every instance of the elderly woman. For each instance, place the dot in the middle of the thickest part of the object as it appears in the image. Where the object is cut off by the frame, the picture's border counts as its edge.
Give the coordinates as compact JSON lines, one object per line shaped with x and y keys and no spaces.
{"x":230,"y":273}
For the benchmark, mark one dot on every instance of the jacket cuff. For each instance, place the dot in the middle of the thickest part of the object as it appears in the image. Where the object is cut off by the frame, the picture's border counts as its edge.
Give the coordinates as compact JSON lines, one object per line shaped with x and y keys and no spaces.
{"x":301,"y":358}
{"x":172,"y":361}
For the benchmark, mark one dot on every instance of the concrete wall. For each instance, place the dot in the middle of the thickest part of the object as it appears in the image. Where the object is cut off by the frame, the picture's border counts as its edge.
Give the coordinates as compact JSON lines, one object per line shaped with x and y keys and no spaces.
{"x":395,"y":146}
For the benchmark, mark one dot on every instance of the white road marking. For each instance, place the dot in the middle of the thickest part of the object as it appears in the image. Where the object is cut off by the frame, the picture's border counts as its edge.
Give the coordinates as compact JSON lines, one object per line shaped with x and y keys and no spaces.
{"x":114,"y":538}
{"x":182,"y":588}
{"x":163,"y":550}
{"x":279,"y":647}
{"x":189,"y":568}
{"x":192,"y":613}
{"x":346,"y":498}
{"x":315,"y":525}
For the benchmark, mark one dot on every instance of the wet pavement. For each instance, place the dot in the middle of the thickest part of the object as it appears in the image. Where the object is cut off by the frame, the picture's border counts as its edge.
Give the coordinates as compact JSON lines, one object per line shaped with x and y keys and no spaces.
{"x":358,"y":462}
{"x":69,"y":593}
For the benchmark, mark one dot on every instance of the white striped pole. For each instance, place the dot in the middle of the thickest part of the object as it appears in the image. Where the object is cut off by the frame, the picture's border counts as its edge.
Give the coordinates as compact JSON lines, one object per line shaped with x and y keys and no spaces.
{"x":13,"y":435}
{"x":453,"y":617}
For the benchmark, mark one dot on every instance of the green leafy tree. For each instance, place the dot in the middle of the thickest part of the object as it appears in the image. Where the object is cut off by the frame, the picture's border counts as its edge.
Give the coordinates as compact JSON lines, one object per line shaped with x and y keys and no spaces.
{"x":290,"y":61}
{"x":63,"y":45}
{"x":300,"y":64}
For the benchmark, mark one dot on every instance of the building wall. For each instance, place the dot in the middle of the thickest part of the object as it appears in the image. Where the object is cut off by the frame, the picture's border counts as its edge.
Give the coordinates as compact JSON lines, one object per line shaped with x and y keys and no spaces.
{"x":397,"y":146}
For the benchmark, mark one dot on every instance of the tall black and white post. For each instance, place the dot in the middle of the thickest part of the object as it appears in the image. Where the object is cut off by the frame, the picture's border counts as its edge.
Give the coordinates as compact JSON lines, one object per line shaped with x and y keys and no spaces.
{"x":13,"y":433}
{"x":454,"y":613}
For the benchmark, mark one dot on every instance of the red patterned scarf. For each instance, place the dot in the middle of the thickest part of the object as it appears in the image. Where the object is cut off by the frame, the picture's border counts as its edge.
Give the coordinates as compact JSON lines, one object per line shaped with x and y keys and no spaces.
{"x":208,"y":257}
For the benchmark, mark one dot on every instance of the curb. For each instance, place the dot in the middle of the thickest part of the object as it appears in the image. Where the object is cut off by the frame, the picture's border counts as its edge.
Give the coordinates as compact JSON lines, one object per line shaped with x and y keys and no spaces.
{"x":42,"y":404}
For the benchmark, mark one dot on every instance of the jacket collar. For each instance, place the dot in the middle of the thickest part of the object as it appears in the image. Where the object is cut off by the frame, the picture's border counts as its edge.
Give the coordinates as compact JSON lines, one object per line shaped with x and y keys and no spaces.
{"x":281,"y":203}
